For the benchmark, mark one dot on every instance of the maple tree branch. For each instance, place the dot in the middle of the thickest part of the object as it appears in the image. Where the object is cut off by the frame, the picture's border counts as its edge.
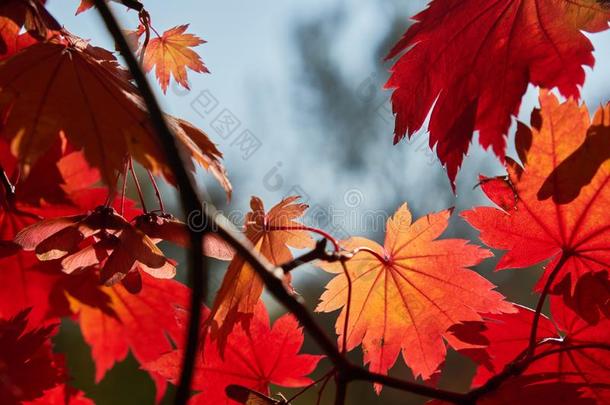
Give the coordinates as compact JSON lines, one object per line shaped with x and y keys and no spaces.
{"x":545,"y":292}
{"x":341,"y":392}
{"x":192,"y":203}
{"x":563,"y":349}
{"x":188,"y":195}
{"x":317,"y":253}
{"x":521,"y":364}
{"x":361,"y":374}
{"x":133,"y":4}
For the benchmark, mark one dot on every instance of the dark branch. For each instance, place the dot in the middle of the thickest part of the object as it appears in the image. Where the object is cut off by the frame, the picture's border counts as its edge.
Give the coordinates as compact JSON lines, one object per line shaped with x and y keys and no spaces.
{"x":318,"y":253}
{"x":545,"y":292}
{"x":188,"y":196}
{"x":271,"y":276}
{"x":359,"y":373}
{"x":341,"y":392}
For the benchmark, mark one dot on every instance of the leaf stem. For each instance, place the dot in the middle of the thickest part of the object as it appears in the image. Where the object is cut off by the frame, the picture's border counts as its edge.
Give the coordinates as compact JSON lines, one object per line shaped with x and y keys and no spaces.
{"x":137,"y":183}
{"x":157,"y":191}
{"x":541,"y":300}
{"x":563,"y":349}
{"x":318,"y":252}
{"x":124,"y":187}
{"x":320,"y":232}
{"x":371,"y":252}
{"x":323,"y":388}
{"x":310,"y":386}
{"x":522,"y":363}
{"x":9,"y":188}
{"x":347,"y":307}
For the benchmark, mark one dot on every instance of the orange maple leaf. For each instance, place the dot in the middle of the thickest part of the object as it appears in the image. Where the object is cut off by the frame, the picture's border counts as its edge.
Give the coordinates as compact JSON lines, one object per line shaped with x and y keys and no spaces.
{"x":407,"y":293}
{"x":81,"y":91}
{"x":470,"y":62}
{"x":170,"y":54}
{"x":271,"y":234}
{"x":532,"y":228}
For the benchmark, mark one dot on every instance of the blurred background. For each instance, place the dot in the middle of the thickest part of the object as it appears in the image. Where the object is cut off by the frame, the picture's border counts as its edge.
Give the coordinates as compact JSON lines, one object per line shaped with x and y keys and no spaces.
{"x":295,"y":101}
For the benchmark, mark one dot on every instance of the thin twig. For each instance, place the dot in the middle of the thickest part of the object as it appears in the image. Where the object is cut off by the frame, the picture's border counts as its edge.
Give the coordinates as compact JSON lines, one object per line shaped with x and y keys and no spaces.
{"x":124,"y":187}
{"x":145,"y":21}
{"x":545,"y":292}
{"x":322,"y":388}
{"x":310,"y":386}
{"x":157,"y":191}
{"x":522,"y":363}
{"x":137,"y":183}
{"x":9,"y":188}
{"x":321,"y":232}
{"x":371,"y":252}
{"x":347,"y":307}
{"x":563,"y":349}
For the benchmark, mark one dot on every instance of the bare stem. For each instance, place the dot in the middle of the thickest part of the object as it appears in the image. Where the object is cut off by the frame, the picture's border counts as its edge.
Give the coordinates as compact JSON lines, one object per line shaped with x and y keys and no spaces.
{"x":341,"y":393}
{"x":347,"y":307}
{"x":371,"y":252}
{"x":137,"y":183}
{"x":319,"y":252}
{"x":321,"y":232}
{"x":522,"y":363}
{"x":310,"y":386}
{"x":9,"y":188}
{"x":124,"y":187}
{"x":157,"y":191}
{"x":564,"y":349}
{"x":545,"y":292}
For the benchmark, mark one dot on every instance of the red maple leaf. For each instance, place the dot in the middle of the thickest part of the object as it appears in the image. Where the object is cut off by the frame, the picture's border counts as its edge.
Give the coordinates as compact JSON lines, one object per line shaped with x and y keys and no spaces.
{"x":532,"y":229}
{"x":147,"y":323}
{"x":473,"y":61}
{"x":255,"y":359}
{"x":25,"y":281}
{"x":62,"y":395}
{"x":572,"y":356}
{"x":49,"y":88}
{"x":500,"y":339}
{"x":28,"y":367}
